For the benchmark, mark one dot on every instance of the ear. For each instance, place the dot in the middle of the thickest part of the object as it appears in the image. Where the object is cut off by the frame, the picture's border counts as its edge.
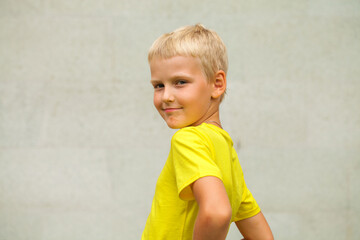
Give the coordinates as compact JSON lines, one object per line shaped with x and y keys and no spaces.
{"x":219,"y":84}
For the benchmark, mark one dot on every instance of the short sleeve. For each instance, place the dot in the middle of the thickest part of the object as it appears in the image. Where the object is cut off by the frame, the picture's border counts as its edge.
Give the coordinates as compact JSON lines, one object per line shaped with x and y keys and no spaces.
{"x":248,"y":207}
{"x":193,"y":158}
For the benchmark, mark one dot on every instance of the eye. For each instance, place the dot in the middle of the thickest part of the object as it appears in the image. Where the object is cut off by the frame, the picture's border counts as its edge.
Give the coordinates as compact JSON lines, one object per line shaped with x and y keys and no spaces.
{"x":181,"y":82}
{"x":158,"y":85}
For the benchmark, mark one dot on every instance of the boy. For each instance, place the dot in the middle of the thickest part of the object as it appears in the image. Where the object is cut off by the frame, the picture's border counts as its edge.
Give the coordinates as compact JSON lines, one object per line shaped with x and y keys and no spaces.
{"x":201,"y":188}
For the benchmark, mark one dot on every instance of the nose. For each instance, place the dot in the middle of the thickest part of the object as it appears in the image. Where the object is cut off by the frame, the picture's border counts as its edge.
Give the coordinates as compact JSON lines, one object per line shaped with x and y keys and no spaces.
{"x":168,"y":95}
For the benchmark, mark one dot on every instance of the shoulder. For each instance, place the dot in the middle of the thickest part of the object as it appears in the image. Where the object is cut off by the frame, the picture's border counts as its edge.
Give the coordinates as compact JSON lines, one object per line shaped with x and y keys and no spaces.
{"x":190,"y":134}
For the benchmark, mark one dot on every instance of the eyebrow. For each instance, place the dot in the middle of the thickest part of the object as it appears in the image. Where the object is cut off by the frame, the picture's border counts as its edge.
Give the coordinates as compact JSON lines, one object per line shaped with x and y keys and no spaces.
{"x":177,"y":76}
{"x":181,"y":75}
{"x":154,"y":81}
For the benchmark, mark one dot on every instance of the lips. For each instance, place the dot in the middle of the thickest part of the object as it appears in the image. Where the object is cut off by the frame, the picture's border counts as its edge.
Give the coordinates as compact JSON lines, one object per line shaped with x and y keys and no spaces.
{"x":169,"y":110}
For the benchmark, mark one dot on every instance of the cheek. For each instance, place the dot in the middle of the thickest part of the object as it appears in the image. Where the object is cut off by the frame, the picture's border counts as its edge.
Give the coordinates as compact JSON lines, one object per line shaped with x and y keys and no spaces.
{"x":196,"y":97}
{"x":157,"y":100}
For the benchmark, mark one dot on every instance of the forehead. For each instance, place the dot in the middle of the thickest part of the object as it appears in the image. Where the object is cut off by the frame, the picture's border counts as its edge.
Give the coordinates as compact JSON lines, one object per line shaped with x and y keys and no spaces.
{"x":175,"y":66}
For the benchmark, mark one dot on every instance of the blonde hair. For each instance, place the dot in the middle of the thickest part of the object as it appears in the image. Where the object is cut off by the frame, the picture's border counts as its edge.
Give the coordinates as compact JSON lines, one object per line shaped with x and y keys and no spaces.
{"x":195,"y":41}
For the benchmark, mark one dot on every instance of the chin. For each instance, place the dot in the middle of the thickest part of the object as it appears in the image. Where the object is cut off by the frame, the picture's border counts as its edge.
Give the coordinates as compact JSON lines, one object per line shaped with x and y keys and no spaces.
{"x":176,"y":125}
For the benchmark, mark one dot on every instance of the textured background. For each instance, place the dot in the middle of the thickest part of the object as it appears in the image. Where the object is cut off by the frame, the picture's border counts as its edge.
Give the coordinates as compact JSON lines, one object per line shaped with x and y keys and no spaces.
{"x":81,"y":145}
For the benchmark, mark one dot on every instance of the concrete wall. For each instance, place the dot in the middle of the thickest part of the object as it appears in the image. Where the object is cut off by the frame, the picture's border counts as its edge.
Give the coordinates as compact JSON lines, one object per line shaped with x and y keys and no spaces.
{"x":81,"y":145}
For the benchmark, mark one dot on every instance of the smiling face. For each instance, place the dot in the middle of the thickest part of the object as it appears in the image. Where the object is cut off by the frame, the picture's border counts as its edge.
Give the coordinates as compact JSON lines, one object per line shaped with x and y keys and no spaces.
{"x":182,"y":94}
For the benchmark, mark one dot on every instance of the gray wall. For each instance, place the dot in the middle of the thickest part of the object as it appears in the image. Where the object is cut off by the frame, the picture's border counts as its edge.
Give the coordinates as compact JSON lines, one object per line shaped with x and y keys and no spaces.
{"x":81,"y":145}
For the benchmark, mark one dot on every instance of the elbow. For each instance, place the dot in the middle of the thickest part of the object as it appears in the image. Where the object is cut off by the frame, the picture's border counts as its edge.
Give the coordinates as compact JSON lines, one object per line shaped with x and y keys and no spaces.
{"x":270,"y":237}
{"x":218,"y":217}
{"x":224,"y":217}
{"x":263,"y":237}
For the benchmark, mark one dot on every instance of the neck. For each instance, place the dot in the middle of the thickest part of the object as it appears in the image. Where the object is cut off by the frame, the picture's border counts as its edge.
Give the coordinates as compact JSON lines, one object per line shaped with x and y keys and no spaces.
{"x":214,"y":119}
{"x":212,"y":116}
{"x":215,"y":123}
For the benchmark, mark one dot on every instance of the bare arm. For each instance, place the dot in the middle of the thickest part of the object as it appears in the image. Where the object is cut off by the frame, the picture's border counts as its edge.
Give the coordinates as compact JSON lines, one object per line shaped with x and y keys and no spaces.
{"x":214,"y":214}
{"x":255,"y":228}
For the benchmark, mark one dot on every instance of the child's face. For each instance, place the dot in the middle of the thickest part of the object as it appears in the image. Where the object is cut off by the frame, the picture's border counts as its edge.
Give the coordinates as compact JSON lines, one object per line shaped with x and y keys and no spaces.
{"x":182,"y":94}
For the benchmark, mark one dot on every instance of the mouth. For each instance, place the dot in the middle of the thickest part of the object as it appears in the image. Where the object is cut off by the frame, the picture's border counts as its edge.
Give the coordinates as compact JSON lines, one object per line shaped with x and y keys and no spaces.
{"x":168,"y":110}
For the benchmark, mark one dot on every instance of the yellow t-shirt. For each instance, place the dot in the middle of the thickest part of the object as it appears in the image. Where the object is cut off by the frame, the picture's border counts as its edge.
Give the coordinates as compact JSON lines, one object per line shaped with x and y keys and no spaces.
{"x":196,"y":152}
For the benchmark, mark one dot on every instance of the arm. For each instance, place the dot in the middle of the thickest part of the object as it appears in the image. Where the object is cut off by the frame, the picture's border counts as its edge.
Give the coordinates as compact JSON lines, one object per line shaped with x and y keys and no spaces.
{"x":214,"y":214}
{"x":255,"y":228}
